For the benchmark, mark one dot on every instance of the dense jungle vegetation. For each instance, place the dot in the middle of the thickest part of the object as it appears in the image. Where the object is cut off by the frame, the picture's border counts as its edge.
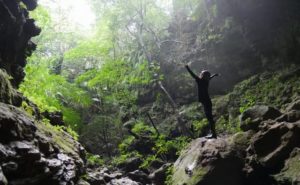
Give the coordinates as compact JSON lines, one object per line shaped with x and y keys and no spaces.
{"x":121,"y":85}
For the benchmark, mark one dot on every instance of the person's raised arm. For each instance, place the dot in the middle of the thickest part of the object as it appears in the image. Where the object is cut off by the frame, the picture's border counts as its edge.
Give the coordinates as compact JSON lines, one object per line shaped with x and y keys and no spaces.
{"x":191,"y":72}
{"x":214,"y":75}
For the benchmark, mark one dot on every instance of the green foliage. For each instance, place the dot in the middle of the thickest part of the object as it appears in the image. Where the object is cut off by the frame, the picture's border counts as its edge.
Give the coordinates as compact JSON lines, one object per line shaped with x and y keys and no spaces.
{"x":58,"y":136}
{"x":27,"y":108}
{"x":227,"y":126}
{"x":72,"y":133}
{"x":199,"y":126}
{"x":72,"y":117}
{"x":42,"y":17}
{"x":125,"y":144}
{"x":95,"y":159}
{"x":148,"y":161}
{"x":109,"y":65}
{"x":92,"y":48}
{"x":102,"y":135}
{"x":275,"y":89}
{"x":59,"y":128}
{"x":164,"y":148}
{"x":248,"y":102}
{"x":169,"y":173}
{"x":141,"y":128}
{"x":124,"y":157}
{"x":117,"y":81}
{"x":52,"y":92}
{"x":267,"y":88}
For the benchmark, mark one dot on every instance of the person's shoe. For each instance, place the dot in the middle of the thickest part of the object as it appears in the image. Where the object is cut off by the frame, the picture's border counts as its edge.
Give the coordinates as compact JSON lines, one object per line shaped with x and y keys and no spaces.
{"x":211,"y":136}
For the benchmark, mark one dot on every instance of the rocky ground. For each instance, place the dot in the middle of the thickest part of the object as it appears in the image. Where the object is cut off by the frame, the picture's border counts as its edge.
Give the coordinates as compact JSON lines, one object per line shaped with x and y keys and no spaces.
{"x":265,"y":152}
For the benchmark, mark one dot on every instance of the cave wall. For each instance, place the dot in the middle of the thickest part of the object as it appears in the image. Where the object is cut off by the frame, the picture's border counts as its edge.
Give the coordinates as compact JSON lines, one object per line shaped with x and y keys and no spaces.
{"x":234,"y":38}
{"x":16,"y":30}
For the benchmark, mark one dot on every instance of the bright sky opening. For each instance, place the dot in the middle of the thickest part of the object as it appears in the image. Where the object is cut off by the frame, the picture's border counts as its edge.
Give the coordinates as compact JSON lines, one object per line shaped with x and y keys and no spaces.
{"x":77,"y":12}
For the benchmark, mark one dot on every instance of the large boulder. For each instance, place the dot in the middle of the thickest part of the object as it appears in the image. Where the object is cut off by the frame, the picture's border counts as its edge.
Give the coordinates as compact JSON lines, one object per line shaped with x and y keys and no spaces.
{"x":208,"y":161}
{"x":252,"y":117}
{"x":267,"y":156}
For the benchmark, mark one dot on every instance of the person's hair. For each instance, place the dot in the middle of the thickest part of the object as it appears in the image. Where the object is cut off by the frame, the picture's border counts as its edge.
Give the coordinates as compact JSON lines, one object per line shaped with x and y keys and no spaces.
{"x":205,"y":74}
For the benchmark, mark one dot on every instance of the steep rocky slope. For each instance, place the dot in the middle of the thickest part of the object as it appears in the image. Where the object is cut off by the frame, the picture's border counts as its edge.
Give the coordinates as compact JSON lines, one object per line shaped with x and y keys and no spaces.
{"x":33,"y":153}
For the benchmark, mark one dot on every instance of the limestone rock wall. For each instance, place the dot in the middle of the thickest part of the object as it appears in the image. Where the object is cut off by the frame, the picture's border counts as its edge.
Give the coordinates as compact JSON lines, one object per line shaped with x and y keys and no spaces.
{"x":16,"y":30}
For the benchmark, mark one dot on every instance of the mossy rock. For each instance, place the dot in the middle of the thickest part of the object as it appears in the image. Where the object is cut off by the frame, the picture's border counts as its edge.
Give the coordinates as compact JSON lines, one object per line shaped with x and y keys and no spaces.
{"x":291,"y":172}
{"x":59,"y":138}
{"x":253,"y":116}
{"x":241,"y":140}
{"x":6,"y":90}
{"x":206,"y":161}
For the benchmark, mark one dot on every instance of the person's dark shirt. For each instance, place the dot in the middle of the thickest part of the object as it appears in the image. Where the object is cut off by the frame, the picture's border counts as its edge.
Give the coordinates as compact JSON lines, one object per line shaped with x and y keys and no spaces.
{"x":202,"y":84}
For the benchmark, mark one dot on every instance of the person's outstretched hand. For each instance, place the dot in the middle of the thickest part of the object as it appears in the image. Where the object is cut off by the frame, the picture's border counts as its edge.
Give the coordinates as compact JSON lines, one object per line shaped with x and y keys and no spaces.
{"x":188,"y":64}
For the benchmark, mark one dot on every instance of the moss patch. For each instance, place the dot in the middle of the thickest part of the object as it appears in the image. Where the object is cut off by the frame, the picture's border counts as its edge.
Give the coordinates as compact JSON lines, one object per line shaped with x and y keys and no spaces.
{"x":291,"y":171}
{"x":58,"y":137}
{"x":276,"y":88}
{"x":6,"y":92}
{"x":241,"y":140}
{"x":182,"y":178}
{"x":197,"y":176}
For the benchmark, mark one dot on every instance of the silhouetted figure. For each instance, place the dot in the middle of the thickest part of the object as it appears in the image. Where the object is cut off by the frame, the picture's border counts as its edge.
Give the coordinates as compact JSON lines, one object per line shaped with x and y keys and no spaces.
{"x":203,"y":97}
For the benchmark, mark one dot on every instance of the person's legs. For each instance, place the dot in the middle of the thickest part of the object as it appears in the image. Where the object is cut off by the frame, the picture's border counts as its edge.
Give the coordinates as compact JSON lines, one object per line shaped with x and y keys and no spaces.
{"x":208,"y":113}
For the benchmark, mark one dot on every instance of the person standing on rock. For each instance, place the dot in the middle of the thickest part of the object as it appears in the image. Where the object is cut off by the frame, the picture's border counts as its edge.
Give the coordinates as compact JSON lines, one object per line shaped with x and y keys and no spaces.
{"x":203,"y":97}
